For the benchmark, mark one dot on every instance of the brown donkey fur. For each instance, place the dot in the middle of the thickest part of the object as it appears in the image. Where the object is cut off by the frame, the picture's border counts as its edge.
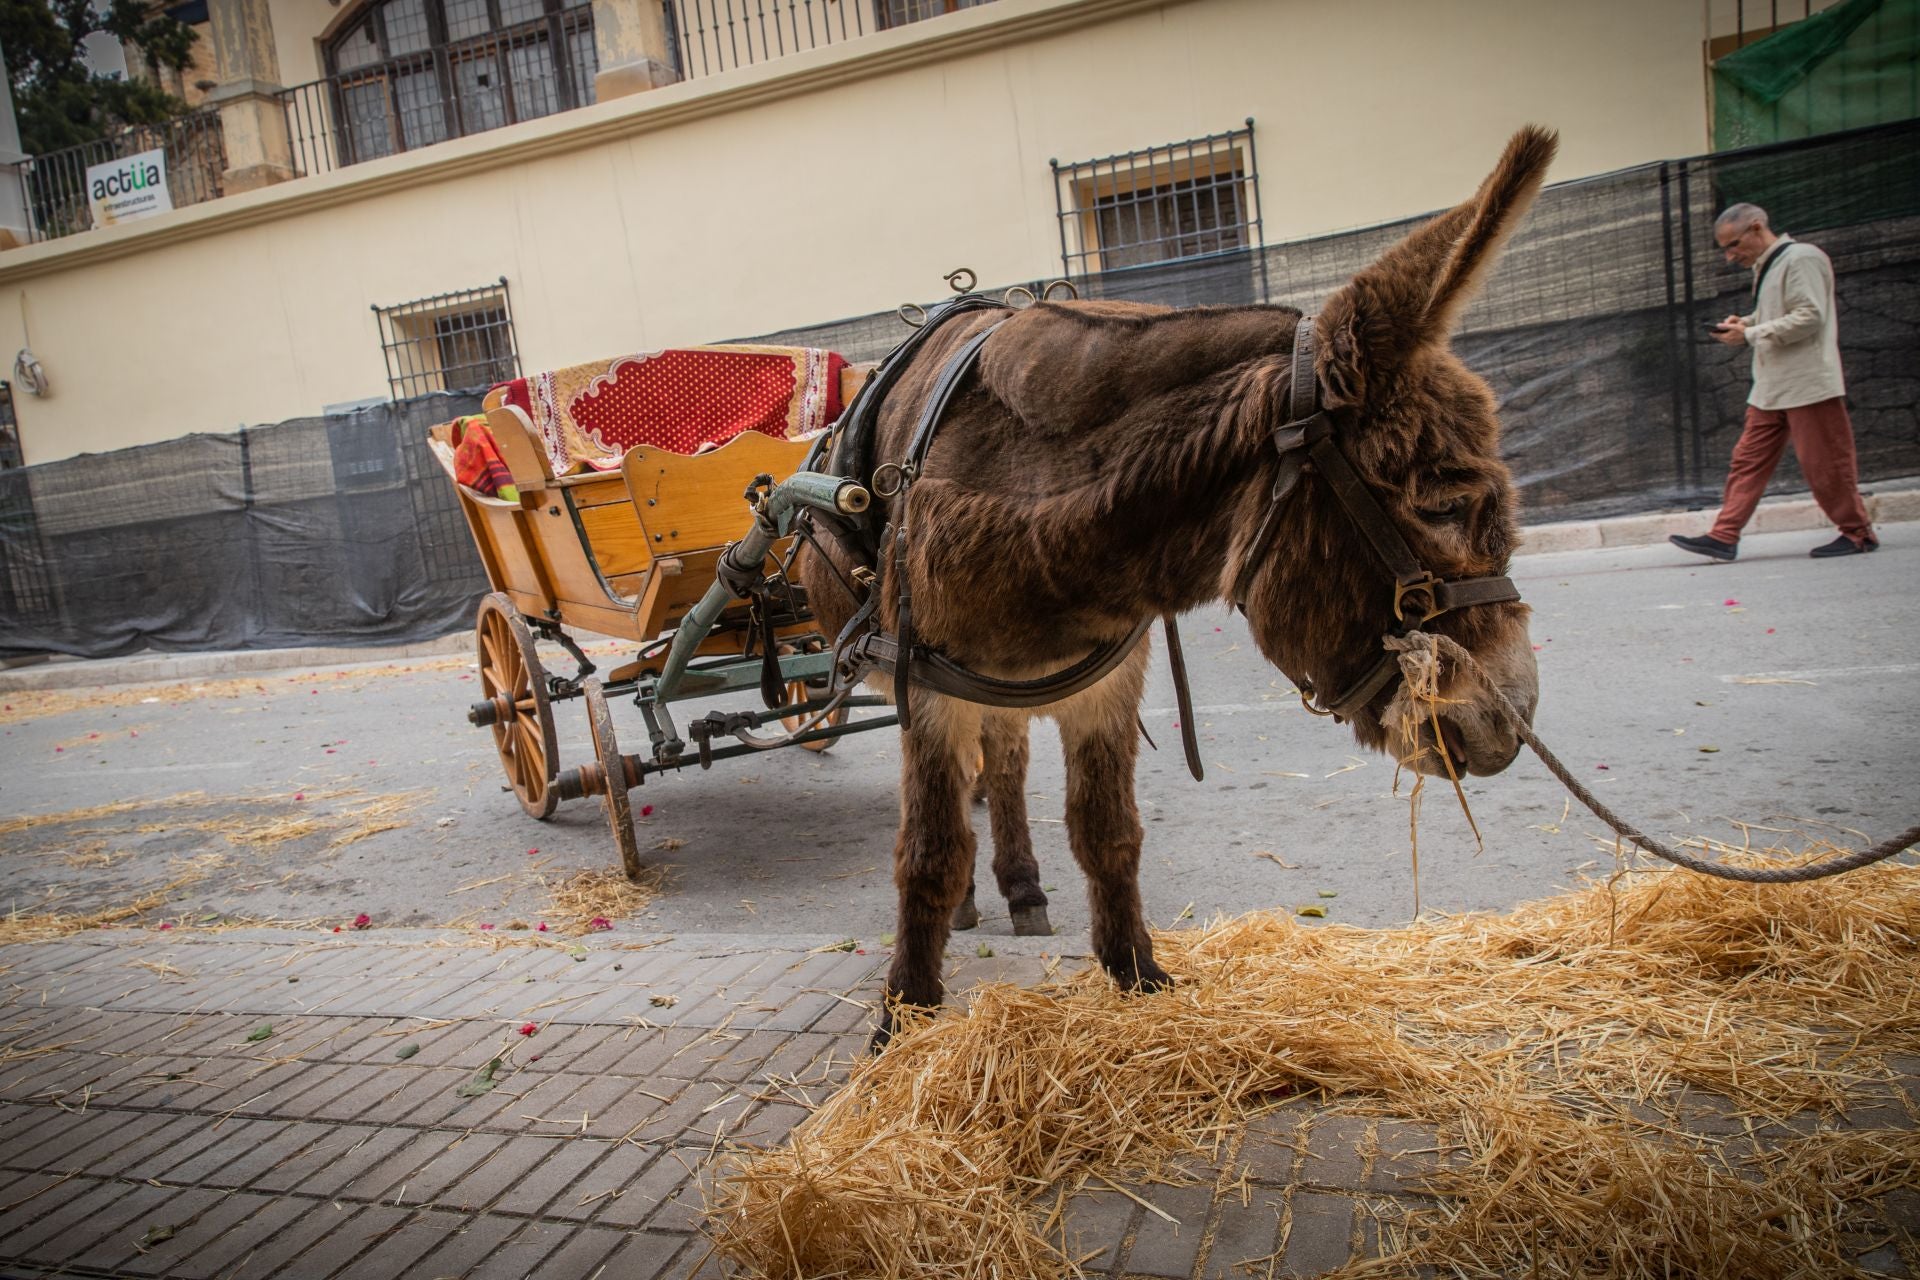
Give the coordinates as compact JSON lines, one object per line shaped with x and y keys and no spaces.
{"x":1109,"y":462}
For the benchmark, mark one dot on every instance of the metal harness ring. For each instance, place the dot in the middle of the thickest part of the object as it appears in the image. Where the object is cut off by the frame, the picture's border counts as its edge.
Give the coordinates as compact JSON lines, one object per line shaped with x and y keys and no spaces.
{"x":902,"y":473}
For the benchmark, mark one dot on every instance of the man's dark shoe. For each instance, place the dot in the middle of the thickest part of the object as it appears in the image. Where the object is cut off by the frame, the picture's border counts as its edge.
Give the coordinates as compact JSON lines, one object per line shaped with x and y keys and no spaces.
{"x":1712,"y":548}
{"x":1843,"y":546}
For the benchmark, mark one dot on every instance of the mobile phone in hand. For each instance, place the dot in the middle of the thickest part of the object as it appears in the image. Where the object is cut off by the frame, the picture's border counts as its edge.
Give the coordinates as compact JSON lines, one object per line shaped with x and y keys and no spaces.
{"x":1717,"y":326}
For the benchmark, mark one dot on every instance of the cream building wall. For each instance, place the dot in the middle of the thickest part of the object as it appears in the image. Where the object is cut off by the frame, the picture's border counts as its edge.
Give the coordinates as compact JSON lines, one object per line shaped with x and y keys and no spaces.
{"x":827,"y":184}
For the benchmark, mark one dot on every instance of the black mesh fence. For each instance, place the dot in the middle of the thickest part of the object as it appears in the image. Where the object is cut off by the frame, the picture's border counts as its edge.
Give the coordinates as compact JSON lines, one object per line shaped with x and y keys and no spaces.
{"x":334,"y":530}
{"x":1592,"y":329}
{"x":1592,"y":333}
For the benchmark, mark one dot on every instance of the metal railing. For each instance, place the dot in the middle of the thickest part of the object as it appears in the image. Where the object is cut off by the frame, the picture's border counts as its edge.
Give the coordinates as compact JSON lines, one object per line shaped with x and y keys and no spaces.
{"x":1734,"y":24}
{"x":1158,"y":204}
{"x":449,"y":91}
{"x":711,"y":36}
{"x":458,"y":341}
{"x":196,"y":154}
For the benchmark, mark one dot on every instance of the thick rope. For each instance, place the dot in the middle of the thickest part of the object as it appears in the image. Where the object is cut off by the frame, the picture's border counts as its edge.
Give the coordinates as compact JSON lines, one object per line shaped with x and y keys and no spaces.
{"x":1418,"y":646}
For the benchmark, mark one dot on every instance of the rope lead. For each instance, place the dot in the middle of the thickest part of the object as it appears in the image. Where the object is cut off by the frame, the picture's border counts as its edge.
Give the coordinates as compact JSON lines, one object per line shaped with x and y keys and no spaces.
{"x":1415,"y":645}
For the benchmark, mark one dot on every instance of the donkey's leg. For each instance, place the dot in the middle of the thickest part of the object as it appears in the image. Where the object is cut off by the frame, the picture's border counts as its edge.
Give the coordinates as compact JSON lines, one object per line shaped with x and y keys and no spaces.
{"x":1014,"y":867}
{"x":933,"y":855}
{"x":1098,"y":729}
{"x":967,"y":914}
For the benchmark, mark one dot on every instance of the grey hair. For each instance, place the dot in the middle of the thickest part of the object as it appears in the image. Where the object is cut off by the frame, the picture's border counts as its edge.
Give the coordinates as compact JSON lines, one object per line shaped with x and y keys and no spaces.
{"x":1742,"y":215}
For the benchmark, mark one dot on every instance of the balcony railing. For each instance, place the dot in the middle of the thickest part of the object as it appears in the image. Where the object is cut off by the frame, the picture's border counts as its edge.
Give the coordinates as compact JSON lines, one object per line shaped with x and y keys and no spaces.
{"x":711,"y":36}
{"x":57,"y":197}
{"x":450,"y":91}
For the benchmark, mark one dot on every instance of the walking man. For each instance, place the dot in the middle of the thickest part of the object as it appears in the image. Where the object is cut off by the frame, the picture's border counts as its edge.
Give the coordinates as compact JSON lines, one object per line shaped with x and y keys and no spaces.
{"x":1798,"y":392}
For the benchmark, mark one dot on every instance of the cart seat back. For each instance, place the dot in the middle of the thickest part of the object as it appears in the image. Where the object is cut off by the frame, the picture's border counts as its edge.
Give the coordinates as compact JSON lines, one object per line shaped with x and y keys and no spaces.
{"x":685,"y":401}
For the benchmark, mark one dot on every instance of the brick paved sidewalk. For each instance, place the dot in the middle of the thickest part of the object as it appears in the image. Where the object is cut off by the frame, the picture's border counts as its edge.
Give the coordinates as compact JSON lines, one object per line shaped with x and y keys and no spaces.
{"x":145,"y":1131}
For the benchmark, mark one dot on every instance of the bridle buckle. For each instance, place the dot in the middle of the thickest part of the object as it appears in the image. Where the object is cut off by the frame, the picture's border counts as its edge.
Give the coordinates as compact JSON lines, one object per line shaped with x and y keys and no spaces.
{"x":1427,"y":585}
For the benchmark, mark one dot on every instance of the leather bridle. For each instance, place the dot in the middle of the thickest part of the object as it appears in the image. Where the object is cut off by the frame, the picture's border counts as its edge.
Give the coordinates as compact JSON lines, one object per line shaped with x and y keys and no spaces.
{"x":1418,"y":596}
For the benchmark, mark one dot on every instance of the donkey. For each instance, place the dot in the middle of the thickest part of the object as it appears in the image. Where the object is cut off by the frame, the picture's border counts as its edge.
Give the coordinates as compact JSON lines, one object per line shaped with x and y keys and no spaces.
{"x":1107,"y":462}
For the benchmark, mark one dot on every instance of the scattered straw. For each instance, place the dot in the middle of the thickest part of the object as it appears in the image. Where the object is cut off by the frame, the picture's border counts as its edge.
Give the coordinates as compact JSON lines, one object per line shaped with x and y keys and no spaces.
{"x":587,"y":896}
{"x":1551,"y":1044}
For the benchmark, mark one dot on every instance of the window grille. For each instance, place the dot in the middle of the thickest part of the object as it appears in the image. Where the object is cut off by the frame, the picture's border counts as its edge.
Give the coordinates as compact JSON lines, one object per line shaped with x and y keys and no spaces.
{"x":1182,"y":200}
{"x":461,"y":341}
{"x":409,"y":73}
{"x":898,"y":13}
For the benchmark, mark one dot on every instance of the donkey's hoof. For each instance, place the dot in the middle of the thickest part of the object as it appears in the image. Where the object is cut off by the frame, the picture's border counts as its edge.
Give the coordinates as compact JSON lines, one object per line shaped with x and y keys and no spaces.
{"x":1140,"y":975}
{"x":966,"y":915}
{"x":1032,"y":922}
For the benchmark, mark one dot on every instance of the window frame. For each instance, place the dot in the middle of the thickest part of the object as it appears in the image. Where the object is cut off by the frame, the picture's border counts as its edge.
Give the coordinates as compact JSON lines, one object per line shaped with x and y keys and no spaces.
{"x":1087,"y":191}
{"x":556,"y":27}
{"x":413,"y":338}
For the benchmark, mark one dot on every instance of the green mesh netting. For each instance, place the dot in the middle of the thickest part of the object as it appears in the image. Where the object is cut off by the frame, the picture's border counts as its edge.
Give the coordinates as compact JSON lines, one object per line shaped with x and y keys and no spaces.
{"x":1855,"y":64}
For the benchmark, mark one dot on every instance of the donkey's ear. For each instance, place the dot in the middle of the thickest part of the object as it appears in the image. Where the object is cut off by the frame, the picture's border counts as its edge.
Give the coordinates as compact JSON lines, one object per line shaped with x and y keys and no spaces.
{"x":1413,"y":294}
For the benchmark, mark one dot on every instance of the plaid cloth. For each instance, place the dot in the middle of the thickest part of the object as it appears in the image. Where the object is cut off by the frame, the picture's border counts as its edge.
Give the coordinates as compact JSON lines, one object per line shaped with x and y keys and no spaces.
{"x":477,"y":463}
{"x":682,"y":400}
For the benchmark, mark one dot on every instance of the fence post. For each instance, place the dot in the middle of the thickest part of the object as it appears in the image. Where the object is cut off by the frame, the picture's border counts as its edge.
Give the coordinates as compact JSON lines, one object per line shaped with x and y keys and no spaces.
{"x":634,"y":42}
{"x":258,"y":149}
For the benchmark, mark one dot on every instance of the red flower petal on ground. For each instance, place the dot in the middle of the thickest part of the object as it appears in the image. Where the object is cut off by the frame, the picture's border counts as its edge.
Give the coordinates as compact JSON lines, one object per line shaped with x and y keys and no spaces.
{"x":299,"y":795}
{"x":531,"y":852}
{"x":1769,"y":630}
{"x":599,"y":923}
{"x":1601,"y":766}
{"x":165,"y":925}
{"x":336,"y":928}
{"x":362,"y":920}
{"x":486,"y":926}
{"x":646,"y":811}
{"x":542,"y":927}
{"x":1729,"y":600}
{"x":529,"y":1028}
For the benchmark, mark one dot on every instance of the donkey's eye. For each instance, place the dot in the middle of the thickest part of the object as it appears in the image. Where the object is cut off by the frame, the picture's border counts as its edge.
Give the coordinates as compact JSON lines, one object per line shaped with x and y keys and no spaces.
{"x":1444,"y":512}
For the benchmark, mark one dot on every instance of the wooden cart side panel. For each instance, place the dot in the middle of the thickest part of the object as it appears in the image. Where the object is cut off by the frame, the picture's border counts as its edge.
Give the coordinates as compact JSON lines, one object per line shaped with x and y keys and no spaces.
{"x":619,"y":544}
{"x":853,"y":377}
{"x":691,"y":503}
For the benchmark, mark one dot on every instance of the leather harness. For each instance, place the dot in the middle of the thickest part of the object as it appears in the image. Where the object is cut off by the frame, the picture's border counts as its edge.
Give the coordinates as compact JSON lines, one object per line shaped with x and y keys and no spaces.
{"x":1418,"y":596}
{"x":863,"y":646}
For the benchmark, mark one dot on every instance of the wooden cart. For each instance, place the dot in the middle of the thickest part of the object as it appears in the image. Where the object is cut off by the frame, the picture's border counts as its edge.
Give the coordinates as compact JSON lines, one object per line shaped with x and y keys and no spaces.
{"x":633,"y":554}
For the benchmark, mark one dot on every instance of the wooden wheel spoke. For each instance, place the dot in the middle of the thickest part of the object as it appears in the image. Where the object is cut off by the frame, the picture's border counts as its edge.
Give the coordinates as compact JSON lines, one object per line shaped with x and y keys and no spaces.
{"x":513,"y":680}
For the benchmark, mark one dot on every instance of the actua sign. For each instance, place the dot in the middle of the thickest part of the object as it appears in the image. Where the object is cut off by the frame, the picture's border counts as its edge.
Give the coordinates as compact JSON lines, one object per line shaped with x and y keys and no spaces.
{"x":128,"y":188}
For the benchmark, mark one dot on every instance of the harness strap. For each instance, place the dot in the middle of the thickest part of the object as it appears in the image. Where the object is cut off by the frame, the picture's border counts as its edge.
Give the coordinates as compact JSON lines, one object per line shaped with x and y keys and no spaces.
{"x":958,"y":366}
{"x":934,"y":670}
{"x":1189,"y":736}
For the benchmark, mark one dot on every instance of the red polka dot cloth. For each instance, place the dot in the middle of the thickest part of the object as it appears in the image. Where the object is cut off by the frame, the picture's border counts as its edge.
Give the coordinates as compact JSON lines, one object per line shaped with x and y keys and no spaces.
{"x":682,"y":400}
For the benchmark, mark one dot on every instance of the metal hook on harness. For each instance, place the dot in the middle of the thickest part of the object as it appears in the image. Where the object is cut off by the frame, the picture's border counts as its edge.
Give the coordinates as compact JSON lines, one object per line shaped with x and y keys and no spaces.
{"x":900,"y":475}
{"x":1066,"y":287}
{"x":953,"y":279}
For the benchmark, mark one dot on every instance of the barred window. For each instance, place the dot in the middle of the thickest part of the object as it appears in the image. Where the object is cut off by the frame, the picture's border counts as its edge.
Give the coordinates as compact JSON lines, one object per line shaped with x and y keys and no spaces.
{"x":407,"y":73}
{"x":460,"y":341}
{"x":1182,"y":200}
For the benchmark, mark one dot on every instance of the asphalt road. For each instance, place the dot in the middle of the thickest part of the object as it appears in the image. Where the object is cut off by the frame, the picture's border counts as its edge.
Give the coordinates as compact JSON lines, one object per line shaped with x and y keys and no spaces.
{"x":1778,"y":691}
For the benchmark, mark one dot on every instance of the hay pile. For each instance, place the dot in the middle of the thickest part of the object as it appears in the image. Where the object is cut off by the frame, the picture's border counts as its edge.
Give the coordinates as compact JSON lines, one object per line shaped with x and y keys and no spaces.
{"x":1550,"y":1043}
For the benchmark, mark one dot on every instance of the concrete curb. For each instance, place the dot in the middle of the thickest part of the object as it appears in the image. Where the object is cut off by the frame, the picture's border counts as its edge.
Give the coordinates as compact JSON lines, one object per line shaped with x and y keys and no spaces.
{"x":1780,"y":515}
{"x":1776,"y":516}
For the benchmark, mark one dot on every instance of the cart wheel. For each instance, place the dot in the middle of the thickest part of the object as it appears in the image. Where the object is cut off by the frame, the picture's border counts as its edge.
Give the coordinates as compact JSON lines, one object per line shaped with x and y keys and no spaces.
{"x":606,"y":748}
{"x":797,"y":692}
{"x":512,"y":679}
